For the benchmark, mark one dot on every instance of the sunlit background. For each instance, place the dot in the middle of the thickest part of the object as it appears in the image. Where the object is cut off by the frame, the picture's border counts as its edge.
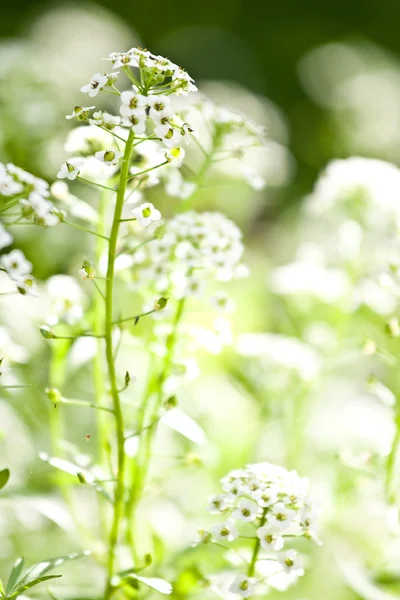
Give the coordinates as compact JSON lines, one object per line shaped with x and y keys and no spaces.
{"x":301,"y":386}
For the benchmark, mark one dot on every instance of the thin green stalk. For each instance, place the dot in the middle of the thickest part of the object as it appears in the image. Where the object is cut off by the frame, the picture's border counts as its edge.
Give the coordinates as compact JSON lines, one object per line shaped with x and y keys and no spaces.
{"x":85,"y":229}
{"x":98,"y":365}
{"x":256,"y":550}
{"x":390,"y":490}
{"x":119,"y":419}
{"x":146,"y":437}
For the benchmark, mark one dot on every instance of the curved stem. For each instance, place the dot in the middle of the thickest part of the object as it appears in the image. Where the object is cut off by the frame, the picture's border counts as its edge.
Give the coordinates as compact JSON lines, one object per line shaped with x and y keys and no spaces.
{"x":119,"y":419}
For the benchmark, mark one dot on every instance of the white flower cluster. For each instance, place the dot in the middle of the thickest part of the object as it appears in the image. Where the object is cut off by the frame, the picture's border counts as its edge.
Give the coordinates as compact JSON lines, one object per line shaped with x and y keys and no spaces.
{"x":275,"y":502}
{"x":364,"y":189}
{"x":32,"y":193}
{"x":194,"y":247}
{"x":146,"y":104}
{"x":157,"y":70}
{"x":19,"y":269}
{"x":231,"y":133}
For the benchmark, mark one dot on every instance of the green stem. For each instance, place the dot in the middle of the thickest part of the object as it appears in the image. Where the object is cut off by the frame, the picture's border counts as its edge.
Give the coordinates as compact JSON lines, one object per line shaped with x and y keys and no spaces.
{"x":257,"y":546}
{"x":390,"y":489}
{"x":84,"y":229}
{"x":119,"y":419}
{"x":146,"y":437}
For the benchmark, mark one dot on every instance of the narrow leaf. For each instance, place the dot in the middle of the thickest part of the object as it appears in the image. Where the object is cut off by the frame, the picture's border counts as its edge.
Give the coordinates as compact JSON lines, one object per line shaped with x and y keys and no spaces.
{"x":45,"y":566}
{"x":4,"y":477}
{"x":162,"y":586}
{"x":22,"y":588}
{"x":15,"y":573}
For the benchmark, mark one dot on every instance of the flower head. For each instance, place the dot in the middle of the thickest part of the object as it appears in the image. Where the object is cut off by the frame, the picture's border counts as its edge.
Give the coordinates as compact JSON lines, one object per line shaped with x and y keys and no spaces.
{"x":70,"y":169}
{"x":146,"y":214}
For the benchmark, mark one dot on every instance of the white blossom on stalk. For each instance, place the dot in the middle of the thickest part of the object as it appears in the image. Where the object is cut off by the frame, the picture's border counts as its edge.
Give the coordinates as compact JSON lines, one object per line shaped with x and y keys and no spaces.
{"x":146,"y":214}
{"x":70,"y":169}
{"x":175,"y":156}
{"x":270,"y":538}
{"x":66,"y":300}
{"x":247,"y":510}
{"x":109,"y":157}
{"x":281,"y":516}
{"x":225,"y":531}
{"x":289,"y":562}
{"x":15,"y":264}
{"x":133,"y":103}
{"x":104,"y":119}
{"x":80,"y":112}
{"x":243,"y":586}
{"x":159,"y":108}
{"x":97,"y":83}
{"x":218,"y":504}
{"x":273,"y":499}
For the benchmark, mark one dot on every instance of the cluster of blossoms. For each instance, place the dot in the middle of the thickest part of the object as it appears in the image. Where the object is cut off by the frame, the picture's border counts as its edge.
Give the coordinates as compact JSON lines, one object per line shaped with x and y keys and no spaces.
{"x":275,"y":503}
{"x":31,"y":193}
{"x":19,"y":269}
{"x":194,"y":246}
{"x":146,"y":106}
{"x":232,"y":135}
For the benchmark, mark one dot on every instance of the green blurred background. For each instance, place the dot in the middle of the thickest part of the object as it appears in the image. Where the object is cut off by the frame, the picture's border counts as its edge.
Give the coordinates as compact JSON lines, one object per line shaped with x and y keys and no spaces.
{"x":325,"y":80}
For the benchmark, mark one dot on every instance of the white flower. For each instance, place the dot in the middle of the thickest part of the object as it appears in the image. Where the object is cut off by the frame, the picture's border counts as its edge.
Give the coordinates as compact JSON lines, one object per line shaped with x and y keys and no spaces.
{"x":66,"y":298}
{"x":281,"y":516}
{"x":247,"y":510}
{"x":137,"y":122}
{"x":15,"y":264}
{"x":70,"y":169}
{"x":289,"y":562}
{"x":104,"y":119}
{"x":225,"y":531}
{"x":265,"y":497}
{"x":270,"y":538}
{"x":175,"y":156}
{"x":170,"y":136}
{"x":96,"y":84}
{"x":80,"y":112}
{"x":159,"y":108}
{"x":146,"y":214}
{"x":218,"y":504}
{"x":222,"y":302}
{"x":108,"y":157}
{"x":243,"y":586}
{"x":233,"y":488}
{"x":5,"y":238}
{"x":133,"y":103}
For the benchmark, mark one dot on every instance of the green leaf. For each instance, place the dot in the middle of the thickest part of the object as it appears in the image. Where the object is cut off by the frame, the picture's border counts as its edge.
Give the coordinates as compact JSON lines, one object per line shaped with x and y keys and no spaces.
{"x":15,"y":573}
{"x":4,"y":477}
{"x":22,"y":588}
{"x":40,"y":569}
{"x":162,"y":586}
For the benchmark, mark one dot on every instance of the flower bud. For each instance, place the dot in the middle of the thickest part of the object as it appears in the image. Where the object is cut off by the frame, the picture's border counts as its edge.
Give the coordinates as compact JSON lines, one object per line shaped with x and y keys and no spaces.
{"x":53,"y":395}
{"x":160,"y":303}
{"x":47,"y":333}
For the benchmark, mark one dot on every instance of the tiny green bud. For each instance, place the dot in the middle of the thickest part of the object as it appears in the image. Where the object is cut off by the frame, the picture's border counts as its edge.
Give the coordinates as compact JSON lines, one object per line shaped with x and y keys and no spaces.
{"x":81,"y":477}
{"x":54,"y":395}
{"x":148,"y":559}
{"x":47,"y":332}
{"x":87,"y":271}
{"x":159,"y":232}
{"x":170,"y":403}
{"x":160,"y":303}
{"x":127,"y":378}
